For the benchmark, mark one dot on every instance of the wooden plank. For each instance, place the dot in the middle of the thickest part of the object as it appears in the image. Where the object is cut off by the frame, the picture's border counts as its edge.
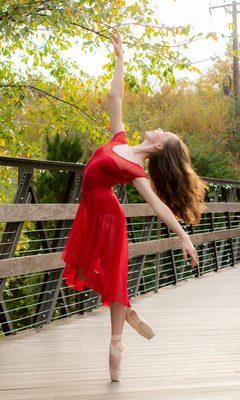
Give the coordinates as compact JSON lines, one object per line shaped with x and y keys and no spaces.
{"x":195,"y":354}
{"x":153,"y":246}
{"x":46,"y":262}
{"x":42,"y":164}
{"x":48,"y":212}
{"x":37,"y":212}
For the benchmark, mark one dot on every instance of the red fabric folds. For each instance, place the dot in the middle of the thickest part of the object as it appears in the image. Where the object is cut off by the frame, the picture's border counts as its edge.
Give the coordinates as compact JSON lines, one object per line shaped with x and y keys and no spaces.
{"x":96,"y":250}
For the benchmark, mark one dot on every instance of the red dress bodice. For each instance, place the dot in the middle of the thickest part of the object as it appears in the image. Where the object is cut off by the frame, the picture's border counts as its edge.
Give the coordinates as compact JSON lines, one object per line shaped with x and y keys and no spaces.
{"x":105,"y":168}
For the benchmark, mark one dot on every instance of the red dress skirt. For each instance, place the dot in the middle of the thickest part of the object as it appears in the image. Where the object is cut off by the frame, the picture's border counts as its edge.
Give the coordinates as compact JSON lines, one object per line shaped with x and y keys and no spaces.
{"x":96,"y":250}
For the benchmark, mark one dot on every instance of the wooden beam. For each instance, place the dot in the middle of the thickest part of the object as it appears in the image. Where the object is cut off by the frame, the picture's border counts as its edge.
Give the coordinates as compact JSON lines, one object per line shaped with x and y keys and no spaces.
{"x":46,"y":262}
{"x":49,"y":212}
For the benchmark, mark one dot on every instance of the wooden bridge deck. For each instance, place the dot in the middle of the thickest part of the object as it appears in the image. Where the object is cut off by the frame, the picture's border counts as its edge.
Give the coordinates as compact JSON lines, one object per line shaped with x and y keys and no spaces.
{"x":195,"y":354}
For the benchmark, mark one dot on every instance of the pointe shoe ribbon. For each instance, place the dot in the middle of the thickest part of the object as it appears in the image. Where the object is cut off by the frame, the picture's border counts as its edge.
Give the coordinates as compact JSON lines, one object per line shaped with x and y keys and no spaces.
{"x":139,"y":324}
{"x":116,"y":350}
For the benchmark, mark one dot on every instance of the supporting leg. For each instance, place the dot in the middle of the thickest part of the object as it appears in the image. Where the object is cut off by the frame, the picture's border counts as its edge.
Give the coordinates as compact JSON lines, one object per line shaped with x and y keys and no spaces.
{"x":118,"y":317}
{"x":116,"y":347}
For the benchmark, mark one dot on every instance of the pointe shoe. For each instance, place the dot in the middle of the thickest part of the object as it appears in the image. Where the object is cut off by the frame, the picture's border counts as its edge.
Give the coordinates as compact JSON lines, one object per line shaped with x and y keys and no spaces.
{"x":139,"y":324}
{"x":116,"y":352}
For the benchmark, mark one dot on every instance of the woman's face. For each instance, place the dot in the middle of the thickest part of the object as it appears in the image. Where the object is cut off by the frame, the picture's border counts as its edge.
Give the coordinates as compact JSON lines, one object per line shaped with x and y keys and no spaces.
{"x":159,"y":137}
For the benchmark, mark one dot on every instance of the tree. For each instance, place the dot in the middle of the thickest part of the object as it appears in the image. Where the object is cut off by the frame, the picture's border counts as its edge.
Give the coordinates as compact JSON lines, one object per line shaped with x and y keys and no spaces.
{"x":199,"y":112}
{"x":51,"y":185}
{"x":38,"y":33}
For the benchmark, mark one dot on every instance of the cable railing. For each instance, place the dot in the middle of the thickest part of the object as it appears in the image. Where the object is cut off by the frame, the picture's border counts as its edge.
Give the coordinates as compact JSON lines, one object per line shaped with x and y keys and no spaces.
{"x":33,"y":234}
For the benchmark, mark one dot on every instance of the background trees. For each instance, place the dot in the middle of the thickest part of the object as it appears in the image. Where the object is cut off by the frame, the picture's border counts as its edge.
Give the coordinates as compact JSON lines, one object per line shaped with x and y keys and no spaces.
{"x":35,"y":70}
{"x":44,"y":92}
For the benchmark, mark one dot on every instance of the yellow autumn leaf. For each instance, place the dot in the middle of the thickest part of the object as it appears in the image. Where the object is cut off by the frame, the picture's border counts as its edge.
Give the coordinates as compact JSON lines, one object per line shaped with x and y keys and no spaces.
{"x":195,"y":69}
{"x":231,"y":26}
{"x":18,"y":247}
{"x":69,"y":12}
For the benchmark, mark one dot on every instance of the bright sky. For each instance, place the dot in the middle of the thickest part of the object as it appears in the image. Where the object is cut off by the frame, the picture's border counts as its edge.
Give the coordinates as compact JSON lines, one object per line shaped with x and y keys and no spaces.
{"x":174,"y":13}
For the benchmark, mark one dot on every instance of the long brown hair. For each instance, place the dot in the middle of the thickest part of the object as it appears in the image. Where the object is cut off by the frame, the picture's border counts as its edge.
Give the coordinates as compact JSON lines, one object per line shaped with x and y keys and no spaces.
{"x":174,"y":180}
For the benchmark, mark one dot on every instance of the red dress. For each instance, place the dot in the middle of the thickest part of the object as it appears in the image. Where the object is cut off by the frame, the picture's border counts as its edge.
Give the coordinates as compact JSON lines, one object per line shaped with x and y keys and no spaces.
{"x":96,"y":250}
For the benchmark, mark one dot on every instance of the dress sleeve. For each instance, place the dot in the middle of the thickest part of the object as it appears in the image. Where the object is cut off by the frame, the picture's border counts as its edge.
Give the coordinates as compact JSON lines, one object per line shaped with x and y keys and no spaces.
{"x":137,"y":172}
{"x":120,"y":136}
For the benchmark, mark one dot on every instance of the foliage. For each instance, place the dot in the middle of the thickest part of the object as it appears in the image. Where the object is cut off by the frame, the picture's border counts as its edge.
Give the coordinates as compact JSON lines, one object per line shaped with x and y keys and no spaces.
{"x":199,"y":113}
{"x":51,"y":185}
{"x":44,"y":91}
{"x":38,"y":35}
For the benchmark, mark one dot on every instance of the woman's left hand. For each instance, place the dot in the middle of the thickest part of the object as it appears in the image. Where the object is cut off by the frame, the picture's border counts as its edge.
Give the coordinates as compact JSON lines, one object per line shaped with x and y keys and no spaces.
{"x":117,"y":43}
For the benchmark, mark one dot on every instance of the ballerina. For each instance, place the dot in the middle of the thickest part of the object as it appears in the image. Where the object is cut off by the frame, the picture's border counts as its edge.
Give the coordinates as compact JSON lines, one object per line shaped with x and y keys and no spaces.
{"x":96,"y":251}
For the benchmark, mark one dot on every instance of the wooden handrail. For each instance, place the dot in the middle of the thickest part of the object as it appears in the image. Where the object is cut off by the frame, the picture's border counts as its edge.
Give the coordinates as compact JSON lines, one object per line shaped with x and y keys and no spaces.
{"x":46,"y":262}
{"x":48,"y":212}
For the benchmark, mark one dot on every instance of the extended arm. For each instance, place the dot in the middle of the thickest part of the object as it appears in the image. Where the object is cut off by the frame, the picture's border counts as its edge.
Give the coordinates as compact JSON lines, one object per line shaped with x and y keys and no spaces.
{"x":159,"y":207}
{"x":164,"y":212}
{"x":117,"y":88}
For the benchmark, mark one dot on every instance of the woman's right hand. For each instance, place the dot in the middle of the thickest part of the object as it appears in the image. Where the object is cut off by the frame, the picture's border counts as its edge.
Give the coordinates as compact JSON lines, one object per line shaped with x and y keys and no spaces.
{"x":188,"y":248}
{"x":117,"y":43}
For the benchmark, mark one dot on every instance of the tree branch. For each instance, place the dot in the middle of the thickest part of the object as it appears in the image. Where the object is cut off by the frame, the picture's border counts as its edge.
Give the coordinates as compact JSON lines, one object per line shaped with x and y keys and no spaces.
{"x":43,"y":92}
{"x":132,"y":44}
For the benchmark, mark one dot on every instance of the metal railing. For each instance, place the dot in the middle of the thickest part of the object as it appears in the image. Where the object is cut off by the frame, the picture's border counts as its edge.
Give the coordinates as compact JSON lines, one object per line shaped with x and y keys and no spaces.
{"x":33,"y":235}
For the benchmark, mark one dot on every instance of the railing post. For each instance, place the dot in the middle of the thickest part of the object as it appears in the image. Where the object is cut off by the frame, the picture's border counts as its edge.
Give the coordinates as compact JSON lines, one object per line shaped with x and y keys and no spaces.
{"x":227,"y":214}
{"x":173,"y":259}
{"x":212,"y":228}
{"x":198,"y":267}
{"x":204,"y":256}
{"x":157,"y":258}
{"x":10,"y":239}
{"x":237,"y":217}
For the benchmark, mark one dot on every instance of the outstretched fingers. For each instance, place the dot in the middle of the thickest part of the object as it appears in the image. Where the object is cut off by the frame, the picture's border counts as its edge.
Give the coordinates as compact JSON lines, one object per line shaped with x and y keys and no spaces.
{"x":115,"y":36}
{"x":195,"y":260}
{"x":193,"y":255}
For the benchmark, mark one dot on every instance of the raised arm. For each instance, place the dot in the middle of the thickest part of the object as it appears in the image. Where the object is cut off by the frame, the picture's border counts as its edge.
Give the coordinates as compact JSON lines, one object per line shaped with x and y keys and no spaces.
{"x":117,"y":87}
